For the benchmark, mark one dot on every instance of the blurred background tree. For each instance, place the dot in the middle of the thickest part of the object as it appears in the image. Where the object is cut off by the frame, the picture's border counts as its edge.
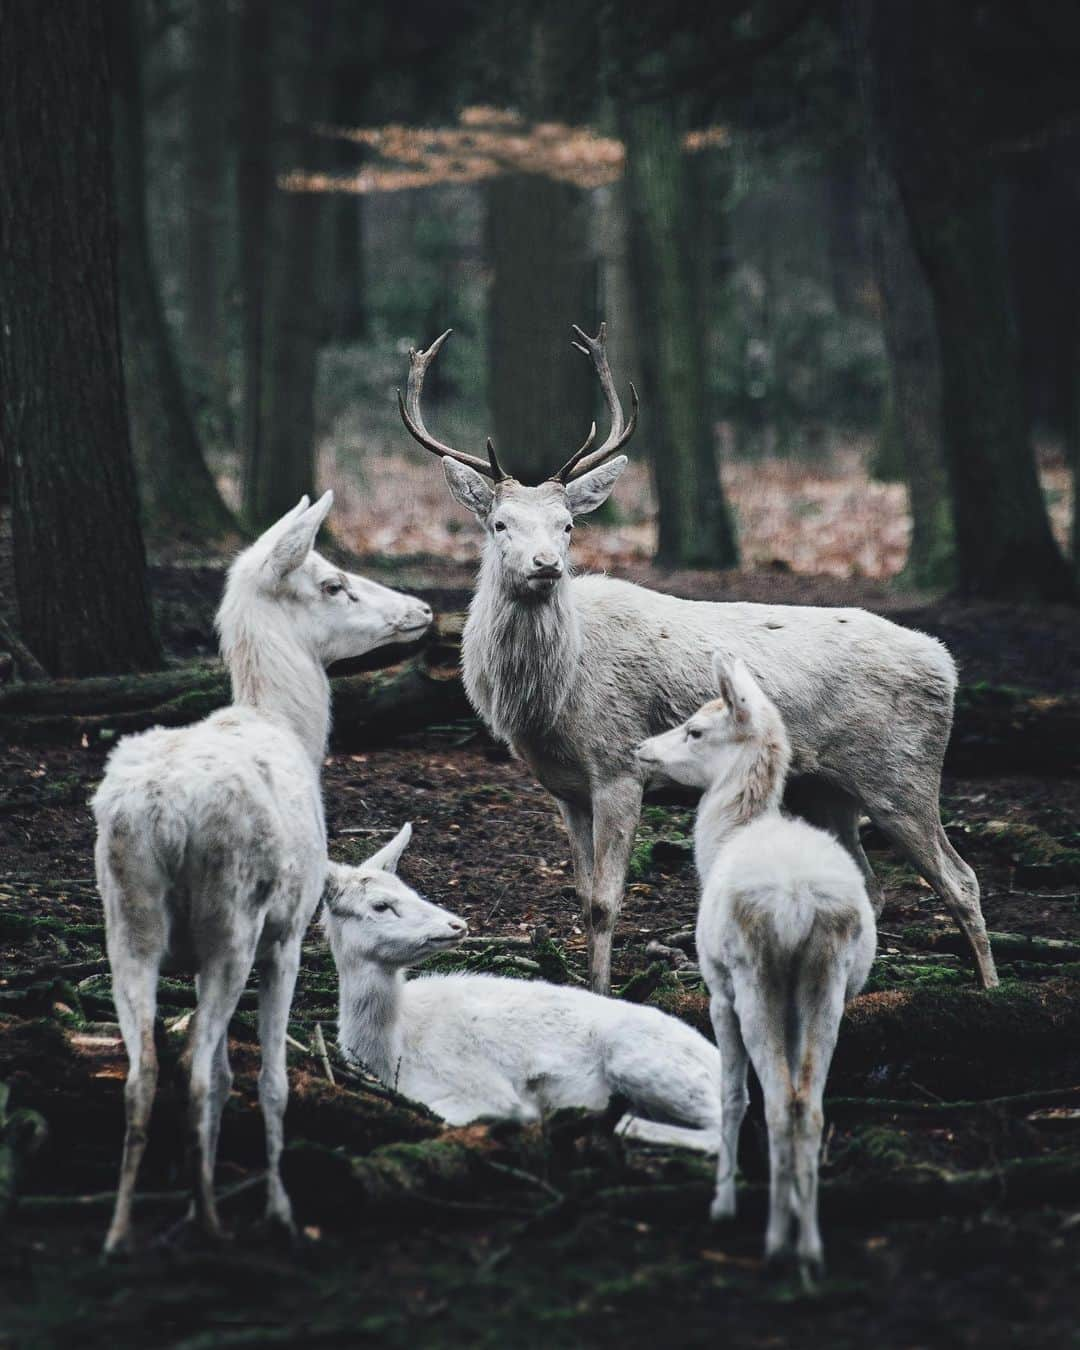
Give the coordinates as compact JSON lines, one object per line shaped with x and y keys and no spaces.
{"x":830,"y":238}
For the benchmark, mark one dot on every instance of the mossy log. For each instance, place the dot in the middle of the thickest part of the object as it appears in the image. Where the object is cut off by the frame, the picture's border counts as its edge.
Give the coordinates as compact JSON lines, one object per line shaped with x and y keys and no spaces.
{"x":952,"y":1042}
{"x":997,"y":729}
{"x":1005,"y":946}
{"x":370,"y":705}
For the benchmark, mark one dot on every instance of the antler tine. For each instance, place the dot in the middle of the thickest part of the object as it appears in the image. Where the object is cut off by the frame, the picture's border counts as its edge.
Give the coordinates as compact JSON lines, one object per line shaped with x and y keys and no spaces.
{"x":568,"y":467}
{"x":409,"y":407}
{"x":496,"y":470}
{"x":621,"y":431}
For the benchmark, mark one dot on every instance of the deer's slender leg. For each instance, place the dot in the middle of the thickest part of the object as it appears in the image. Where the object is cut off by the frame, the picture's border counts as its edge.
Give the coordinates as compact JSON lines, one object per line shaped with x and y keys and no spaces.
{"x":733,"y":1061}
{"x":917,"y":832}
{"x":819,"y":1011}
{"x":135,"y":989}
{"x":579,"y":830}
{"x":616,"y":810}
{"x":221,"y":982}
{"x":277,"y":967}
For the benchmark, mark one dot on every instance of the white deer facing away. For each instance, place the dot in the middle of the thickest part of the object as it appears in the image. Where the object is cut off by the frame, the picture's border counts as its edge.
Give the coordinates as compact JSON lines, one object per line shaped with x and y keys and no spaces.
{"x":785,"y":936}
{"x":573,"y":672}
{"x":211,"y":844}
{"x":470,"y":1046}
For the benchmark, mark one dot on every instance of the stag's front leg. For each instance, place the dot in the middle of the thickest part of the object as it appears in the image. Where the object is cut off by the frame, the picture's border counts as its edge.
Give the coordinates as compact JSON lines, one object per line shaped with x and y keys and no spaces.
{"x":616,"y":810}
{"x":579,"y":830}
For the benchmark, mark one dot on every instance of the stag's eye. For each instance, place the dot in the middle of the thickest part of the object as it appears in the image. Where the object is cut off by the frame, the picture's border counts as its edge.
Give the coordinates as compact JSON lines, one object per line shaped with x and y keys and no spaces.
{"x":381,"y":906}
{"x":332,"y":588}
{"x":569,"y":529}
{"x":693,"y":733}
{"x":500,"y":525}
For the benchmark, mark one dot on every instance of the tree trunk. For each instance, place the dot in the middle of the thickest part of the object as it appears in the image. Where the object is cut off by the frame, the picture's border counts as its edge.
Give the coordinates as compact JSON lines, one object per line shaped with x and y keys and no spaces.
{"x":206,"y":173}
{"x":180,"y":497}
{"x":283,"y":468}
{"x":929,"y":98}
{"x":695,"y":526}
{"x":913,"y":409}
{"x":80,"y":566}
{"x":254,"y":189}
{"x":542,"y":392}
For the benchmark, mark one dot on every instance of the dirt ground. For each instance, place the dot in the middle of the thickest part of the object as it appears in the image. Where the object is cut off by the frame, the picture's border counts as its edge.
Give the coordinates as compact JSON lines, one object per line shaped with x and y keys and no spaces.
{"x":483,"y":1269}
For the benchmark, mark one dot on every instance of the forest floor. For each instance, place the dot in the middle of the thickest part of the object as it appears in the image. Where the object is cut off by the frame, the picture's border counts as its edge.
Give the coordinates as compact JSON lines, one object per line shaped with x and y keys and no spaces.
{"x":947,"y":1223}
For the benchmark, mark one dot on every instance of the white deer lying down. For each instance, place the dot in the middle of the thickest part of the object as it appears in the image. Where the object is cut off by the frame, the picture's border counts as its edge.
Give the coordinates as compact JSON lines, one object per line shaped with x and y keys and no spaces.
{"x":211,"y":846}
{"x":785,"y":936}
{"x":479,"y":1045}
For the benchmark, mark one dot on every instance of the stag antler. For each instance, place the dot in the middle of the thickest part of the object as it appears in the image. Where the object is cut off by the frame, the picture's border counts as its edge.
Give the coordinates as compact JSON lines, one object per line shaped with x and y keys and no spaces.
{"x":413,"y":418}
{"x":581,"y":462}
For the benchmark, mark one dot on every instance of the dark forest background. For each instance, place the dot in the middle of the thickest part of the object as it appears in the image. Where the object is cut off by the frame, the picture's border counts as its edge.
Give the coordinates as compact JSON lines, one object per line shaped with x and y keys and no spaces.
{"x":811,"y":226}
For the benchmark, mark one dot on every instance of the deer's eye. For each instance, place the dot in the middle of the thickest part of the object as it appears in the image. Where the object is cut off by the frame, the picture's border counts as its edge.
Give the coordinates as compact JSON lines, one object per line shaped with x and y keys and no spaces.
{"x":381,"y":906}
{"x":332,"y":588}
{"x":693,"y":733}
{"x":569,"y":529}
{"x":500,"y":525}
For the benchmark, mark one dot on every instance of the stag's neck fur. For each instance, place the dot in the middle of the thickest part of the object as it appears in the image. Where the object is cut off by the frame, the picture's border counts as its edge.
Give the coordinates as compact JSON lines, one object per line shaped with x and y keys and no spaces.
{"x":369,"y":1018}
{"x":520,"y":653}
{"x":274,"y":673}
{"x":752,"y":788}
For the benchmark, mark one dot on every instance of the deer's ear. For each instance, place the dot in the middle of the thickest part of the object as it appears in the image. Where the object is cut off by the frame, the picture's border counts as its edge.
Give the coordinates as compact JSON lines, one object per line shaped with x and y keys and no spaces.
{"x":592,"y":489}
{"x":736,"y":686}
{"x":468,"y":487}
{"x":388,"y":857}
{"x":297,"y":538}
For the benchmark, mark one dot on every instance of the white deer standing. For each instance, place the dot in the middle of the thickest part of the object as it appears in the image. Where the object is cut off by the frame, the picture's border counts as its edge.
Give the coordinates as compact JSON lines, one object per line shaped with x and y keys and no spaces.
{"x":470,"y":1045}
{"x":785,"y":937}
{"x":574,"y":672}
{"x":211,"y":844}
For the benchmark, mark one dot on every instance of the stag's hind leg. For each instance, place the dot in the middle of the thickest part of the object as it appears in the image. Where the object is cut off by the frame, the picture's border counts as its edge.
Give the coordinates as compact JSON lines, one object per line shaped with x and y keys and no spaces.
{"x":916,"y":830}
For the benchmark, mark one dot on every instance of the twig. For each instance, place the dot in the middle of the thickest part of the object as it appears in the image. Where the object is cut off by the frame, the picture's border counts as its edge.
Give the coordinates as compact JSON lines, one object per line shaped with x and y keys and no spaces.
{"x":31,"y":667}
{"x":527,"y":1177}
{"x":319,"y":1042}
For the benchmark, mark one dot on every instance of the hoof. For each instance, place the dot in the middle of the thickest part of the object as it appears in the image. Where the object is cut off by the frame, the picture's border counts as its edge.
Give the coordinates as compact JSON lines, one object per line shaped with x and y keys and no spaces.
{"x":811,"y":1272}
{"x":116,"y":1251}
{"x":722,"y":1209}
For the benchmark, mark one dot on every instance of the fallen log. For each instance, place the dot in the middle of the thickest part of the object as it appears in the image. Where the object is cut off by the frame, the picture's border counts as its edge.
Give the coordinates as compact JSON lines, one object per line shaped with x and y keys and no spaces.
{"x":1005,"y":946}
{"x":997,"y":729}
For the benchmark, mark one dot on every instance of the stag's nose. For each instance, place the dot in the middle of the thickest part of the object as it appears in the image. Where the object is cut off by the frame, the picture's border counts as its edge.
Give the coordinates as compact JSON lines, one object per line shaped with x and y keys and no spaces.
{"x":548,"y":563}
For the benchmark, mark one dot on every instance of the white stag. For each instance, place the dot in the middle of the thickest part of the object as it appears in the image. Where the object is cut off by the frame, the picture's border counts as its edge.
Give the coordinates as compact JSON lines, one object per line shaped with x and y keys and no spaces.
{"x":211,"y":844}
{"x":785,"y":937}
{"x":471,"y":1045}
{"x":573,"y":672}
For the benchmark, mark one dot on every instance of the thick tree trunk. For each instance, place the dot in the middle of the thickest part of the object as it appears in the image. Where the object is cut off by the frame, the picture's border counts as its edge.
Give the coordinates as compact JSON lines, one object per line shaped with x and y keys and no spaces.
{"x":542,"y":392}
{"x":914,"y":408}
{"x":180,"y":497}
{"x":80,"y":566}
{"x":283,"y":467}
{"x":206,"y":174}
{"x":254,"y":190}
{"x":929,"y":98}
{"x":695,"y":526}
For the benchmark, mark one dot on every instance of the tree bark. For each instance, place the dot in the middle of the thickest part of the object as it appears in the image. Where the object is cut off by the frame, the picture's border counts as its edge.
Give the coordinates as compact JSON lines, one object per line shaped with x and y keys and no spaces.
{"x":180,"y":497}
{"x":544,"y":279}
{"x":929,"y":95}
{"x":695,"y":528}
{"x":914,"y":407}
{"x":206,"y":175}
{"x":80,"y":566}
{"x":292,"y":289}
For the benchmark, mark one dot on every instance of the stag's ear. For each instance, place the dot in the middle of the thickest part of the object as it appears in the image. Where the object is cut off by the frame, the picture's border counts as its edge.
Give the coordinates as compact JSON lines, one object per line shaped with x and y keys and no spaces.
{"x":297,"y":535}
{"x":388,"y":857}
{"x":736,"y":686}
{"x":337,"y":878}
{"x":468,"y":487}
{"x":592,"y":489}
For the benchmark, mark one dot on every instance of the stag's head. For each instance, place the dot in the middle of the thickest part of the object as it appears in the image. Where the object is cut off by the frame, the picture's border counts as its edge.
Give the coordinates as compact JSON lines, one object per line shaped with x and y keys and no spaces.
{"x":372,"y":915}
{"x":529,"y":528}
